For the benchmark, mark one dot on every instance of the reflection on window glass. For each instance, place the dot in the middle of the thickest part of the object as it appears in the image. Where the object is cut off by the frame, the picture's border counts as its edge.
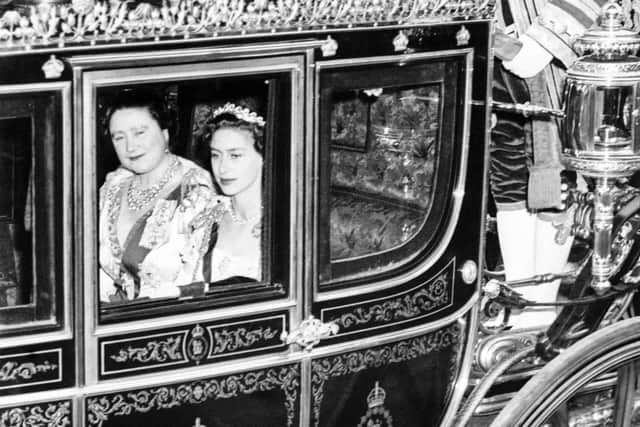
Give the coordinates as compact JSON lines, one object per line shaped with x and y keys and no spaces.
{"x":383,"y":152}
{"x":171,"y":226}
{"x":16,"y":213}
{"x":614,"y":130}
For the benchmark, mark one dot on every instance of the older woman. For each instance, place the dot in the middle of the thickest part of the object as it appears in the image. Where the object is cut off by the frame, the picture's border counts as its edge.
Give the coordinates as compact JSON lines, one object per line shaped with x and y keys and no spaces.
{"x":149,"y":243}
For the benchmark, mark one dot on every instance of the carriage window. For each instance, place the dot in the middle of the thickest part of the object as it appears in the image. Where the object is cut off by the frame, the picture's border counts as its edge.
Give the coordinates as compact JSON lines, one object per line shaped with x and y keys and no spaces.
{"x":382,"y":167}
{"x":31,"y":197}
{"x":16,"y":238}
{"x":385,"y":150}
{"x":184,"y":191}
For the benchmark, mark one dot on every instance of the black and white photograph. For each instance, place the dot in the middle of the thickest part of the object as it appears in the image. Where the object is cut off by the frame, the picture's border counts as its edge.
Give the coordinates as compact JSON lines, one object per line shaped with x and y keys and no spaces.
{"x":314,"y":213}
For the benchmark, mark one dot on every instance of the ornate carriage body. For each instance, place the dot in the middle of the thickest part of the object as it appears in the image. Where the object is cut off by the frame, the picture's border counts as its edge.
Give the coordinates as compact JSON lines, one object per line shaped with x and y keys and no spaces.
{"x":373,"y":230}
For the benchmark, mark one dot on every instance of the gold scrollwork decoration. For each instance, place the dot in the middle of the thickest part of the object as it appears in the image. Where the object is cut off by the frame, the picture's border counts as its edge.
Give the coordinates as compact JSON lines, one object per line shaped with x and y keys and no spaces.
{"x":403,"y":351}
{"x":154,"y":351}
{"x":434,"y":295}
{"x":53,"y":415}
{"x":122,"y":22}
{"x":11,"y":371}
{"x":495,"y":348}
{"x":286,"y":378}
{"x":232,"y":340}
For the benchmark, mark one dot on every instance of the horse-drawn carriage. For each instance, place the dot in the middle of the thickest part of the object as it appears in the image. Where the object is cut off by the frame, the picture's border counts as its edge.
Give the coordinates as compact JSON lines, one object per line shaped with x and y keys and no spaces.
{"x":369,"y":306}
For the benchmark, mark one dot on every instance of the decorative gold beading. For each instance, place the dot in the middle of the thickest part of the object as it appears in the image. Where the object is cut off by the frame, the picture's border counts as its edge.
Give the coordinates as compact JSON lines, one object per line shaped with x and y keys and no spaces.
{"x":89,"y":22}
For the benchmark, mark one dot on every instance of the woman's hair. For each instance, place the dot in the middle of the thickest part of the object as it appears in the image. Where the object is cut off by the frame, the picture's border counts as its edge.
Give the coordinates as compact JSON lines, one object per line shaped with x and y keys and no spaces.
{"x":231,"y":116}
{"x":140,"y":98}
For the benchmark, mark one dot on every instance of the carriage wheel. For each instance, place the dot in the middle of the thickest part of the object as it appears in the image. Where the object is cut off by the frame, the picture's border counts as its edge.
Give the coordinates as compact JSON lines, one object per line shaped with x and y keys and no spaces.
{"x":611,"y":350}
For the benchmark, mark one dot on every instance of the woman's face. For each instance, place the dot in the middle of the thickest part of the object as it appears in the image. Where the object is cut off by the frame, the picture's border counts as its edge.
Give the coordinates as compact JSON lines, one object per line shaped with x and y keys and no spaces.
{"x":139,"y":141}
{"x":235,"y":163}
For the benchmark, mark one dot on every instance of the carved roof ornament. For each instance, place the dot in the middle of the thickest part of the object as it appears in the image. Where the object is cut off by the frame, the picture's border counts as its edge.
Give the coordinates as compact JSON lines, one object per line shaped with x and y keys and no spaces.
{"x":400,"y":42}
{"x":329,"y":47}
{"x":53,"y":68}
{"x":91,"y":22}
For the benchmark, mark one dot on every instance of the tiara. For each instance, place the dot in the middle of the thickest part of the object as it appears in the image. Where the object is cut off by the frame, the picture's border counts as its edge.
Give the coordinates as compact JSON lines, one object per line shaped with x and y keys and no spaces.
{"x":241,"y":113}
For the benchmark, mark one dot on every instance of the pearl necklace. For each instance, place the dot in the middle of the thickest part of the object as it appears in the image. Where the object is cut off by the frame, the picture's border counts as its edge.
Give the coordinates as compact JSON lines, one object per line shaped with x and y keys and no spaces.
{"x":254,"y":219}
{"x":138,"y":198}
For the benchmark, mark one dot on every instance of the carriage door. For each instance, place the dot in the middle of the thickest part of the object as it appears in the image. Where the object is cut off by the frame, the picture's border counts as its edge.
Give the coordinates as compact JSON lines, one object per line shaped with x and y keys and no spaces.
{"x":396,"y":237}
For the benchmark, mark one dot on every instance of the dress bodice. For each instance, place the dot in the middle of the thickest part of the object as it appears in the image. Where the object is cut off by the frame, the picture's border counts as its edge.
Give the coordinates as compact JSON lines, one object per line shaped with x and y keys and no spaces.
{"x":225,"y":264}
{"x":163,"y":247}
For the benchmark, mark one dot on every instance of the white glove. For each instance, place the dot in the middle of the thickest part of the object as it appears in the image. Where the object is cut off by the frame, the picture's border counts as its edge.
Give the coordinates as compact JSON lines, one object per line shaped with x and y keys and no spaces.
{"x":529,"y":60}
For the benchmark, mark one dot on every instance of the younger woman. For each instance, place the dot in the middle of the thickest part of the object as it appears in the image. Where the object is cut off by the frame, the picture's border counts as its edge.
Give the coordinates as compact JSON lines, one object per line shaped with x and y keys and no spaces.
{"x":236,"y":147}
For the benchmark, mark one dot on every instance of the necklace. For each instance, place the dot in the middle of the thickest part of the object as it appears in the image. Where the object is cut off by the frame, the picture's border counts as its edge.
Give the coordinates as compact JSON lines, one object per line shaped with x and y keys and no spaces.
{"x":138,"y":198}
{"x":256,"y":230}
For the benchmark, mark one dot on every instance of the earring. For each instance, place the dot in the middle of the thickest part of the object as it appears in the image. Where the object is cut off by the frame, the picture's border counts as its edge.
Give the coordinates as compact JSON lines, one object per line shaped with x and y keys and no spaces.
{"x":166,"y":150}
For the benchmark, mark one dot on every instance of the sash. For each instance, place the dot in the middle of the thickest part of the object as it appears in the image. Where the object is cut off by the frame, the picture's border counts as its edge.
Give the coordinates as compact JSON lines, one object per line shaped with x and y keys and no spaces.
{"x":206,"y":261}
{"x":135,"y":253}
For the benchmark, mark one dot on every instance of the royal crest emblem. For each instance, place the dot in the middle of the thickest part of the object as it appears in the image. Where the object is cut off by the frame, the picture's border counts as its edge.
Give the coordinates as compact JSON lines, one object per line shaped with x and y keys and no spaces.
{"x":377,"y":415}
{"x":198,"y":344}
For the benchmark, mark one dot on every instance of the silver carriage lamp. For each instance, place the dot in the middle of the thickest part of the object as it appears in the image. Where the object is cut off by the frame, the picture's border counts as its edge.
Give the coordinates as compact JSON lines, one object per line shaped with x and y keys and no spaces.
{"x":601,"y":132}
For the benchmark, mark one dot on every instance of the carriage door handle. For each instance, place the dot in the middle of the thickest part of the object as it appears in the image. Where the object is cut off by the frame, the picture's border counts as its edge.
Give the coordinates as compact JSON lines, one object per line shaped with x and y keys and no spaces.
{"x":309,"y":333}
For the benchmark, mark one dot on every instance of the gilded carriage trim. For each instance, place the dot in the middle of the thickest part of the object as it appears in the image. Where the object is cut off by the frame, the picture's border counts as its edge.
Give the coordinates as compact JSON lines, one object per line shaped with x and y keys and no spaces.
{"x":57,"y":414}
{"x":153,"y":351}
{"x":225,"y":341}
{"x":456,"y":359}
{"x":88,"y":22}
{"x":11,"y":371}
{"x":492,"y":349}
{"x":143,"y":352}
{"x":286,"y":378}
{"x":194,"y":344}
{"x":402,"y":351}
{"x":422,"y":300}
{"x":28,"y":369}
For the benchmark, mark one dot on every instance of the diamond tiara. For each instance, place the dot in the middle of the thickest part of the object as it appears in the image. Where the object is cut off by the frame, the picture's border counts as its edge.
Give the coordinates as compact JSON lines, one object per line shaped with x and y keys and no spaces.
{"x":241,"y":113}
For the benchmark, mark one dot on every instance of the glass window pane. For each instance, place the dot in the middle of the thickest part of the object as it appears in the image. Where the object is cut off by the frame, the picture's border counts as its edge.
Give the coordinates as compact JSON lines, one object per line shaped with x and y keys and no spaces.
{"x":388,"y":158}
{"x":32,"y":195}
{"x":16,"y":213}
{"x":383,"y":156}
{"x":173,"y":226}
{"x":185,"y":194}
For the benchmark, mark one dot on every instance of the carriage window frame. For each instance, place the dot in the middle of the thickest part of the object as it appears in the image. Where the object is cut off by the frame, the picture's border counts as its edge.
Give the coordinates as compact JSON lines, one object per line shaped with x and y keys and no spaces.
{"x":441,"y":220}
{"x":278,"y":271}
{"x":47,"y":108}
